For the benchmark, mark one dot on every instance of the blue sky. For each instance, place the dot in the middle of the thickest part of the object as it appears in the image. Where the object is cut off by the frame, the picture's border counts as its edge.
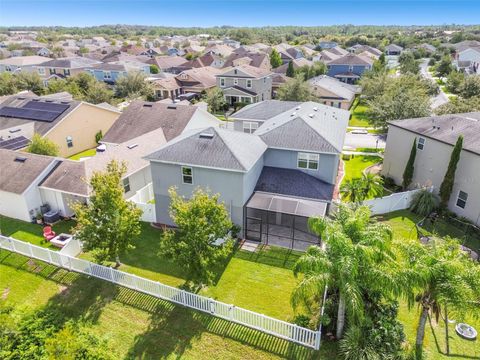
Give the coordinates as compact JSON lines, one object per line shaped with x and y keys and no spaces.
{"x":206,"y":13}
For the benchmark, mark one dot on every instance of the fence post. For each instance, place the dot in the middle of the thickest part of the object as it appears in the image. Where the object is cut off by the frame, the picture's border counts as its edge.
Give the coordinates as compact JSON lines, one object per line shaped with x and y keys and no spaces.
{"x":111,"y":274}
{"x":13,"y":244}
{"x":184,"y":301}
{"x":90,"y":268}
{"x":50,"y":257}
{"x":295,"y":332}
{"x":30,"y":250}
{"x":230,"y":311}
{"x":317,"y":340}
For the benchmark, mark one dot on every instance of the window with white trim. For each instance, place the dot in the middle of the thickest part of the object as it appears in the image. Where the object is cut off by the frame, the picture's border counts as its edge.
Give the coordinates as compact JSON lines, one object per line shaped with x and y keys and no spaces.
{"x":462,"y":199}
{"x":421,"y":143}
{"x":69,"y":141}
{"x":308,"y":161}
{"x":222,"y":82}
{"x":249,"y":127}
{"x":249,"y":83}
{"x":235,"y":81}
{"x":187,"y":175}
{"x":350,"y":68}
{"x":126,"y":185}
{"x":107,"y":75}
{"x":66,"y":72}
{"x":41,"y":71}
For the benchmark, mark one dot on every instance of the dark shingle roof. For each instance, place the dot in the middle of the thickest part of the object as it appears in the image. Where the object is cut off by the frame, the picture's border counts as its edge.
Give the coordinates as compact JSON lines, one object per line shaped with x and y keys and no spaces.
{"x":447,"y":128}
{"x":69,"y":176}
{"x":265,"y":110}
{"x":293,"y":183}
{"x":142,"y":117}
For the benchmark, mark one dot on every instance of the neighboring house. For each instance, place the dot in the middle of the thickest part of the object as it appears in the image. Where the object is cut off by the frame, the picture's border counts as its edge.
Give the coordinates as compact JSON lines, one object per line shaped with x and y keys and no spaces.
{"x":288,"y":52}
{"x":436,"y":137}
{"x":110,"y":72}
{"x":277,"y":81}
{"x":21,"y":63}
{"x":71,"y":125}
{"x":270,"y":181}
{"x":468,"y":60}
{"x":349,"y":68}
{"x":296,"y":63}
{"x":327,"y":44}
{"x":220,"y":50}
{"x":359,"y":49}
{"x":65,"y":67}
{"x":170,"y":64}
{"x":246,"y":84}
{"x":333,"y":92}
{"x":197,"y":80}
{"x":209,"y":59}
{"x":243,"y":57}
{"x":429,"y":48}
{"x":393,"y":50}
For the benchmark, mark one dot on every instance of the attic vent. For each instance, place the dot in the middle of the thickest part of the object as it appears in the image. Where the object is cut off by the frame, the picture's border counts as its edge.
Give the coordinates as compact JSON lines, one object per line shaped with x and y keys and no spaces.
{"x":293,"y":114}
{"x":49,"y":101}
{"x":65,"y":102}
{"x":311,"y":115}
{"x":297,"y":108}
{"x":147,"y":105}
{"x":315,"y":109}
{"x":206,"y":136}
{"x":21,"y":98}
{"x":132,"y":146}
{"x":172,"y":106}
{"x":20,"y":159}
{"x":14,"y":130}
{"x":35,"y":99}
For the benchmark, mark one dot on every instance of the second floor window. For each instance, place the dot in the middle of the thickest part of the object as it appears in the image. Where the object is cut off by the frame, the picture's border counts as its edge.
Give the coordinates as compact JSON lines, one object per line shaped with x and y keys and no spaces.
{"x":249,"y":83}
{"x":308,"y":161}
{"x":462,"y":199}
{"x":222,"y":82}
{"x":66,"y":72}
{"x":249,"y":127}
{"x":187,"y":175}
{"x":421,"y":143}
{"x":69,"y":141}
{"x":107,"y":75}
{"x":126,"y":185}
{"x":52,"y":71}
{"x":41,"y":71}
{"x":235,"y":81}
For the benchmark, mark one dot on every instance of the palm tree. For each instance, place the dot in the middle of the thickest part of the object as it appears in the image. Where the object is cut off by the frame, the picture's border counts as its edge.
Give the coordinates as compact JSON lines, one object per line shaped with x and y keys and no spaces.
{"x":355,"y":256}
{"x":359,"y":189}
{"x":372,"y":185}
{"x":435,"y":275}
{"x":353,"y":190}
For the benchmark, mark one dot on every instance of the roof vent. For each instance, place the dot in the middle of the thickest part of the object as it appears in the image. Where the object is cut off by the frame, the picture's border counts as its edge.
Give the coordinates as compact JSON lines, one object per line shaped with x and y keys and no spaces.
{"x":315,"y":108}
{"x":35,"y":99}
{"x":311,"y":115}
{"x":297,"y":108}
{"x":206,"y":136}
{"x":172,"y":106}
{"x":11,"y":131}
{"x":293,"y":114}
{"x":20,"y":159}
{"x":49,"y":101}
{"x":65,"y":102}
{"x":132,"y":146}
{"x":147,"y":105}
{"x":21,"y":98}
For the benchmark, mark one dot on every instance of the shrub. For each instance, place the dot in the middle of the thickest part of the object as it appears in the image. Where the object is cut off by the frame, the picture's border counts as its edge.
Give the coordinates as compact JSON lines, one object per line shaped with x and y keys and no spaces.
{"x":98,"y":136}
{"x":302,"y":320}
{"x":423,"y":202}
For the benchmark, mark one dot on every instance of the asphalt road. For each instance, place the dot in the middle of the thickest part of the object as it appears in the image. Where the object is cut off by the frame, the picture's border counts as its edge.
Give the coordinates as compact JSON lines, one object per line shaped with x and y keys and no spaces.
{"x":365,"y":140}
{"x":441,"y":98}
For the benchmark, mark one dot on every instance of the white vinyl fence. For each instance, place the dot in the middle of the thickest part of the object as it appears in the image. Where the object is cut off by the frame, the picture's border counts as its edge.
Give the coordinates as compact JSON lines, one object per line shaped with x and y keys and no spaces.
{"x":266,"y":324}
{"x":142,"y":199}
{"x":394,"y":202}
{"x":72,"y":248}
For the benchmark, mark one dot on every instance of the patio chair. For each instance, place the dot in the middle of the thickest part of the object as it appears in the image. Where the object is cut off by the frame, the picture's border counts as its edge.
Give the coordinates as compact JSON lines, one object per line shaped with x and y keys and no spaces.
{"x":48,"y":233}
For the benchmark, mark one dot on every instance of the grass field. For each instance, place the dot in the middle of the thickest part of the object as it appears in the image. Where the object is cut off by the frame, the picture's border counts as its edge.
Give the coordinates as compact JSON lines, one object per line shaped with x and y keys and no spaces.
{"x":359,"y":116}
{"x":355,"y":166}
{"x":86,"y":153}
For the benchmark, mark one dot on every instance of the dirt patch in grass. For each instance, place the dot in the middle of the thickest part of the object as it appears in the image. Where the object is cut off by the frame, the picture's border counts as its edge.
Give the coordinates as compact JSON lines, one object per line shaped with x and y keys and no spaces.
{"x":63,"y":290}
{"x":5,"y":293}
{"x":33,"y":266}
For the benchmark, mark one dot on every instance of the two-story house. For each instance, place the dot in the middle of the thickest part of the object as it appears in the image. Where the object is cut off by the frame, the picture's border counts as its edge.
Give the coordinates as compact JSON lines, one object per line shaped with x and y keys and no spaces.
{"x":270,"y":181}
{"x":246,"y":84}
{"x":349,"y":68}
{"x":111,"y":72}
{"x":21,"y":63}
{"x":65,"y":67}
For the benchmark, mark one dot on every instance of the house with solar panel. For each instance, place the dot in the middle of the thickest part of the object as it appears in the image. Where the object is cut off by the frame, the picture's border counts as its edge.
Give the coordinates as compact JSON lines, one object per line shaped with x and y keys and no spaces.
{"x":277,"y":169}
{"x":70,"y":124}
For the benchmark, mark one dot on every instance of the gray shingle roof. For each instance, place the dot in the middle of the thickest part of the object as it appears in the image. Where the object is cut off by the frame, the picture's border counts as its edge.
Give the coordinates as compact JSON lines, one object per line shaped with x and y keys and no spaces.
{"x":225,"y":149}
{"x":447,"y":128}
{"x":69,"y":176}
{"x":293,"y":183}
{"x":264,"y":110}
{"x":339,"y":88}
{"x":351,"y":59}
{"x":71,"y":63}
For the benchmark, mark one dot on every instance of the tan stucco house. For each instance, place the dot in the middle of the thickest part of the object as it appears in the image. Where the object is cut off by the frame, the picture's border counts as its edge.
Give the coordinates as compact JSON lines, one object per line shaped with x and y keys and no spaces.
{"x":435,"y":137}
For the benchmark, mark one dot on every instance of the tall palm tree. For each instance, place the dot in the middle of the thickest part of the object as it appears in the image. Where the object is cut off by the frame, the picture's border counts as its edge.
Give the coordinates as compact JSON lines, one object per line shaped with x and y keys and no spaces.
{"x":435,"y":275}
{"x":359,"y":189}
{"x":372,"y":185}
{"x":355,"y":256}
{"x":352,"y":190}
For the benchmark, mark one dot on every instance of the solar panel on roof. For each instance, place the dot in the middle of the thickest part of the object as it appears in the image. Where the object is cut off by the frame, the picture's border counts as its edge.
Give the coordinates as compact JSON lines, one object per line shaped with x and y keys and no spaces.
{"x":15,"y":143}
{"x":34,"y":110}
{"x":59,"y":108}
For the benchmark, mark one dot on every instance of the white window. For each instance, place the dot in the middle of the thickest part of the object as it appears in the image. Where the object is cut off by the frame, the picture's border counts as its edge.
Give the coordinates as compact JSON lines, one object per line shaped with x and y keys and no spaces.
{"x":249,"y":127}
{"x":308,"y":161}
{"x":187,"y":175}
{"x":249,"y":83}
{"x":235,"y":81}
{"x":107,"y":75}
{"x":222,"y":82}
{"x":126,"y":185}
{"x":350,"y":68}
{"x":462,"y":199}
{"x":66,"y":72}
{"x":421,"y":143}
{"x":69,"y":141}
{"x":41,"y":71}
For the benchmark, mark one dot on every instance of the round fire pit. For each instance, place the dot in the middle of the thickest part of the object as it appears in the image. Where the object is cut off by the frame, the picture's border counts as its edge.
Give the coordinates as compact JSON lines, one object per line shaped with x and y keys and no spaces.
{"x":466,"y":331}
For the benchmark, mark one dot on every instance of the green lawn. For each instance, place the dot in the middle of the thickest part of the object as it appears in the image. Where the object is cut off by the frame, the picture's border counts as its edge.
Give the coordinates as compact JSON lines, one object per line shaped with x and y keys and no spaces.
{"x":355,"y":166}
{"x":32,"y":233}
{"x":86,"y":153}
{"x":359,"y":116}
{"x":403,"y":225}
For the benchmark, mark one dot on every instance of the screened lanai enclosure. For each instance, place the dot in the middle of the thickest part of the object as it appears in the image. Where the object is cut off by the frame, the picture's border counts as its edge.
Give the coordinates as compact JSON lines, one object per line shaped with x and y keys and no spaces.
{"x":282,"y":220}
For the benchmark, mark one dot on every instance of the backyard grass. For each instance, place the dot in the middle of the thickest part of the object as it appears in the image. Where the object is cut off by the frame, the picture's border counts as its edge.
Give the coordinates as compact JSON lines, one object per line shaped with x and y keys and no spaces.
{"x":86,"y":153}
{"x":32,"y":233}
{"x":137,"y":326}
{"x":359,"y":116}
{"x":355,"y":166}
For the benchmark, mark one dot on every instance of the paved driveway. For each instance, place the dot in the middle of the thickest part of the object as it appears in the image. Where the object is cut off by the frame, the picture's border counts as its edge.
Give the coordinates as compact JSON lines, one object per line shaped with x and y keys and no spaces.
{"x":365,"y":140}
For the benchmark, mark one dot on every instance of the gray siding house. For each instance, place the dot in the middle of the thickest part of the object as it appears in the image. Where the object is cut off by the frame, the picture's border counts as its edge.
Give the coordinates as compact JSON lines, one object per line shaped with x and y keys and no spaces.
{"x":270,"y":181}
{"x":246,"y":84}
{"x":435,"y":137}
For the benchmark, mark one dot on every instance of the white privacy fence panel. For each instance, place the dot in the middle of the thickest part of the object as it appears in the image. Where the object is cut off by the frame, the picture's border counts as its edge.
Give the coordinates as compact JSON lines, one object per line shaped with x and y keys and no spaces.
{"x":266,"y":324}
{"x":72,"y":248}
{"x":394,"y":202}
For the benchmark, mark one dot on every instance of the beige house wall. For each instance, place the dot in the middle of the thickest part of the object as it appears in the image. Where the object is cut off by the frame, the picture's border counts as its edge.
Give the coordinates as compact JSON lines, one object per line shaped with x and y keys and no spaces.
{"x":430,"y":166}
{"x":323,"y":93}
{"x":81,"y":124}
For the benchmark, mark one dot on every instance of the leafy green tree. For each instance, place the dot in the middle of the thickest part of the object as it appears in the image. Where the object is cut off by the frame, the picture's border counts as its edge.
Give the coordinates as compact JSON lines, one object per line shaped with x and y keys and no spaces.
{"x":470,"y":87}
{"x":410,"y":167}
{"x":296,"y":89}
{"x":449,"y":179}
{"x":356,"y":257}
{"x":42,"y":146}
{"x":444,"y":67}
{"x":133,"y":85}
{"x":215,"y":99}
{"x":437,"y":275}
{"x":408,"y":64}
{"x":308,"y":72}
{"x":275,"y":59}
{"x":98,"y":93}
{"x":373,"y":83}
{"x":8,"y":84}
{"x":454,"y":81}
{"x":108,"y":224}
{"x":459,"y":105}
{"x":290,"y":70}
{"x":201,"y":221}
{"x":30,"y":81}
{"x":154,"y":69}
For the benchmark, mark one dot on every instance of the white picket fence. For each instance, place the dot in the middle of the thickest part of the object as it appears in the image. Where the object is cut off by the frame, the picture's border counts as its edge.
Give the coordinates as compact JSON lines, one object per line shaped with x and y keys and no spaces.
{"x":394,"y":202}
{"x":263,"y":323}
